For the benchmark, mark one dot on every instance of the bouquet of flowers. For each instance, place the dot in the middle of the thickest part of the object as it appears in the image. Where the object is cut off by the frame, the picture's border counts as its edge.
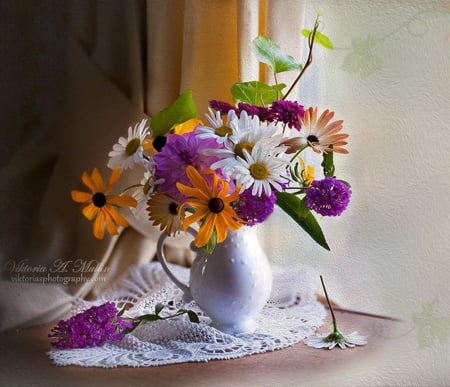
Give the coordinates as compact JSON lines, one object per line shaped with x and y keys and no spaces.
{"x":231,"y":170}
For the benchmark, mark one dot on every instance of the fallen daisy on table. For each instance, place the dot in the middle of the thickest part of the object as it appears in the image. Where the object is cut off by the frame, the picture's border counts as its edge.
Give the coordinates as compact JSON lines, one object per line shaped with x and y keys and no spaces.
{"x":336,"y":338}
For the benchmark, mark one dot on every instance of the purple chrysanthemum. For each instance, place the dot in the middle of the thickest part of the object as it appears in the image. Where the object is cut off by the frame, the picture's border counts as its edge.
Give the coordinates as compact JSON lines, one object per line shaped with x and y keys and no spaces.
{"x":328,"y":197}
{"x":220,"y":106}
{"x":179,"y":152}
{"x":255,"y":209}
{"x":289,"y":112}
{"x":93,"y":327}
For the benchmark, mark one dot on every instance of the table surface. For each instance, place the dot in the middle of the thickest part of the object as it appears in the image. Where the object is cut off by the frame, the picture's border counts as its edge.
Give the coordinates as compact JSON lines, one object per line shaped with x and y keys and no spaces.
{"x":23,"y":362}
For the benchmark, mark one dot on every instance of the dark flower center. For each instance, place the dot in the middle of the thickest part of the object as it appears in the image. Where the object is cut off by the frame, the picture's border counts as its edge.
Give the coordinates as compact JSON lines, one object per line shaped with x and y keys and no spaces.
{"x":173,"y":208}
{"x":159,"y":142}
{"x":216,"y":205}
{"x":312,"y":138}
{"x":99,"y":199}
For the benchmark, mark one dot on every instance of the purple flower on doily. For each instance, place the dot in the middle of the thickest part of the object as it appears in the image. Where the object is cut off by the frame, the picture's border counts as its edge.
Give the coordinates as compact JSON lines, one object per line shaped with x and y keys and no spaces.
{"x":255,"y":209}
{"x":328,"y":197}
{"x":93,"y":327}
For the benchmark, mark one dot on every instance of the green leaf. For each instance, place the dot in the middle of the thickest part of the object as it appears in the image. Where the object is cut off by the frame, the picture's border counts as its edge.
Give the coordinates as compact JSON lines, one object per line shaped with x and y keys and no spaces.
{"x":158,"y":308}
{"x":211,"y":245}
{"x":193,"y":316}
{"x":150,"y":317}
{"x":122,"y":311}
{"x":300,"y":213}
{"x":256,"y":93}
{"x":272,"y":55}
{"x":181,"y":110}
{"x":319,"y":38}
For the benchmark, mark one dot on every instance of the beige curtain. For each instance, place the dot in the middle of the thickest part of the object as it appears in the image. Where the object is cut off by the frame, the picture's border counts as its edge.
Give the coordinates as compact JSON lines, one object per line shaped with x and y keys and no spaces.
{"x":127,"y":60}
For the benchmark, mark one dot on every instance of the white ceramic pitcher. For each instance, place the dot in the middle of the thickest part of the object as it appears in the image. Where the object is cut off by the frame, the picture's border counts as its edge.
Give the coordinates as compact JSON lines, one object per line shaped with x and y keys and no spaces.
{"x":232,"y":284}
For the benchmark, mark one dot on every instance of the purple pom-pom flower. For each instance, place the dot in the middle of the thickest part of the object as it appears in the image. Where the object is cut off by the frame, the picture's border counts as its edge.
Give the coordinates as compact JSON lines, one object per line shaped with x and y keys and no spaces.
{"x":255,"y":209}
{"x":328,"y":197}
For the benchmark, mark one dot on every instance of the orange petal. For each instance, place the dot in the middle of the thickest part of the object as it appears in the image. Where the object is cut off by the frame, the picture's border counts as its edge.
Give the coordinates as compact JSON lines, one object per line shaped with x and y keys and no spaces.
{"x":192,"y":192}
{"x":205,"y":232}
{"x":110,"y":225}
{"x":221,"y":228}
{"x":98,"y":180}
{"x":125,"y":200}
{"x":98,"y":227}
{"x":88,"y":182}
{"x":81,"y":197}
{"x":90,"y":211}
{"x":197,"y":179}
{"x":116,"y":216}
{"x":113,"y":179}
{"x":194,"y":218}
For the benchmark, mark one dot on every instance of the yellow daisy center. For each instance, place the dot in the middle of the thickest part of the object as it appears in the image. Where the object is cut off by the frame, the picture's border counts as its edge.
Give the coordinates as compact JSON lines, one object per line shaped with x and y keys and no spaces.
{"x":223,"y":131}
{"x":259,"y":171}
{"x":132,"y":146}
{"x":99,"y":199}
{"x":239,"y":148}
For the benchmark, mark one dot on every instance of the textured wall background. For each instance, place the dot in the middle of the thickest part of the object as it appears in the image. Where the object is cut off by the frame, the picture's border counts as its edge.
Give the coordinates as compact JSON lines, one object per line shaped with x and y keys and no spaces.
{"x":389,"y":79}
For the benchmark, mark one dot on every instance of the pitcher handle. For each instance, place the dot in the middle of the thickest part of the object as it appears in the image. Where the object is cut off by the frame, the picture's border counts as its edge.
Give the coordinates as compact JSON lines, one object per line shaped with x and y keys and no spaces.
{"x":187,"y":296}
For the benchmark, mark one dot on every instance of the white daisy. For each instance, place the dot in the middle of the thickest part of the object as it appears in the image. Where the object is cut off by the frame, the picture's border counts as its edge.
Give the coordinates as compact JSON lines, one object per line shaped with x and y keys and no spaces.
{"x":336,"y":339}
{"x":262,"y":170}
{"x":250,"y":129}
{"x":145,"y":189}
{"x":247,"y":132}
{"x":128,"y":151}
{"x":218,"y":129}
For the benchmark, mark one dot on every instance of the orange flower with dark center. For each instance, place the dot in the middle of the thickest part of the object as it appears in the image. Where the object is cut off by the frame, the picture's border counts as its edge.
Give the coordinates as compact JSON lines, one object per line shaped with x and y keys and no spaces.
{"x":100,"y":207}
{"x":212,"y":206}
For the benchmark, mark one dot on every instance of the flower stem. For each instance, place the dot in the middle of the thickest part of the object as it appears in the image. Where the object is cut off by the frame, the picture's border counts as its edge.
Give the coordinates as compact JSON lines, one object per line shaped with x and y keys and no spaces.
{"x":310,"y":57}
{"x":335,"y":328}
{"x":128,"y":188}
{"x":298,"y":153}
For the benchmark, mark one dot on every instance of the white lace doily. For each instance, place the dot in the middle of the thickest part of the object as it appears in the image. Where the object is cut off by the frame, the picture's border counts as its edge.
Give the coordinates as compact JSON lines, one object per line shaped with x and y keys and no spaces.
{"x":292,"y":314}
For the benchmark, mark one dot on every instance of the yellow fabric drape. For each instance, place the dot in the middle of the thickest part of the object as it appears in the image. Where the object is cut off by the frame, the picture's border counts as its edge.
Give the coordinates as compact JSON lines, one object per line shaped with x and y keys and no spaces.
{"x":126,"y":60}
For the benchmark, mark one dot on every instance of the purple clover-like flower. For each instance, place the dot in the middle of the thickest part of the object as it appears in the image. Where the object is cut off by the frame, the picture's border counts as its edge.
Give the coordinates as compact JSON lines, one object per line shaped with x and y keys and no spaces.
{"x":328,"y":197}
{"x":289,"y":112}
{"x":255,"y":209}
{"x":93,"y":327}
